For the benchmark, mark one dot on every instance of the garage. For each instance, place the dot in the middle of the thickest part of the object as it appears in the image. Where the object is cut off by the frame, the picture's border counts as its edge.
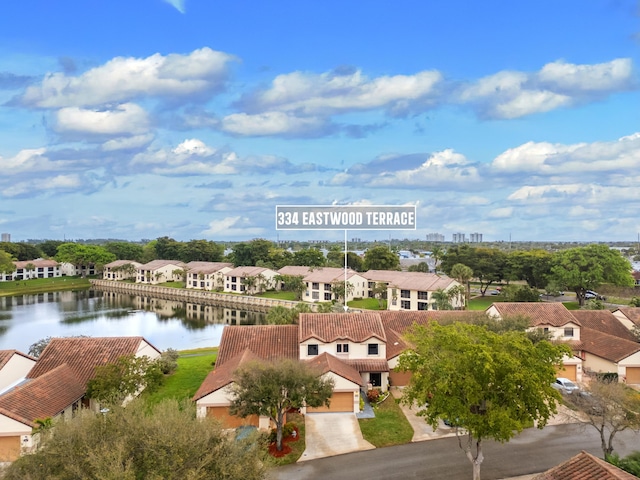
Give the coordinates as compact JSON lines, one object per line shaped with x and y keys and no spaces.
{"x":568,"y":371}
{"x":231,"y":421}
{"x":633,"y":375}
{"x":339,"y":402}
{"x":9,"y":448}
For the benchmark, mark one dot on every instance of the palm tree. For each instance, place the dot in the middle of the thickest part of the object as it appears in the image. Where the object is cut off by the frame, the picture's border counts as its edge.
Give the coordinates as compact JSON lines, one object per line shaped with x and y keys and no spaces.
{"x":463,"y":275}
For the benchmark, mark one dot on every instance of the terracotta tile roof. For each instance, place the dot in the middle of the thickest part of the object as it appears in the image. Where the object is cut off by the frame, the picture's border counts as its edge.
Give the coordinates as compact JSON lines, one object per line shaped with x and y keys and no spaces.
{"x":585,"y":466}
{"x":82,"y":354}
{"x":383,"y":275}
{"x":422,"y":282}
{"x":6,"y":355}
{"x":632,"y":313}
{"x":247,"y":271}
{"x":155,"y":264}
{"x":328,"y":363}
{"x":295,"y":270}
{"x":328,"y":327}
{"x":397,"y":323}
{"x":328,"y":275}
{"x":554,"y":314}
{"x":222,"y":375}
{"x":607,"y":346}
{"x":119,"y":263}
{"x":42,"y":397}
{"x":265,"y":341}
{"x":207,"y":267}
{"x":40,"y":263}
{"x":368,"y":364}
{"x":604,"y":321}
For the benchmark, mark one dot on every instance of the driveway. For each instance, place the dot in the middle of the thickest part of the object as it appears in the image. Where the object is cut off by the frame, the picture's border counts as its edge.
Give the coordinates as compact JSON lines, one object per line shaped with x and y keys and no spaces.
{"x":421,"y":430}
{"x":329,"y":434}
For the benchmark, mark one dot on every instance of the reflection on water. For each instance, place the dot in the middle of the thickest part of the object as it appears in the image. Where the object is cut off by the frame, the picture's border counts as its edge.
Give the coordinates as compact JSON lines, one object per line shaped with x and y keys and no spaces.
{"x":24,"y":319}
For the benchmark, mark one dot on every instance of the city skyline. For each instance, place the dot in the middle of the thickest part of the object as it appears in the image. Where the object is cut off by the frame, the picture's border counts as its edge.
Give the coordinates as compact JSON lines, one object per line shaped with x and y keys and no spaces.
{"x":194,"y":119}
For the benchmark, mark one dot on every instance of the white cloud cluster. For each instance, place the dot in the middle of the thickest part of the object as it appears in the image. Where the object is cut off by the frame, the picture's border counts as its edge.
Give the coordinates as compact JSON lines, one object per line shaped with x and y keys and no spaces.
{"x":124,"y":119}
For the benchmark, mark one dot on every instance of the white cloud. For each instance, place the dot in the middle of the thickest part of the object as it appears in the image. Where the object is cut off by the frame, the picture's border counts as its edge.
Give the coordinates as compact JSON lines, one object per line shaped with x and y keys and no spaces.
{"x":609,"y":76}
{"x":60,"y":182}
{"x":127,"y":118}
{"x":503,"y":212}
{"x":270,"y":123}
{"x":127,"y":143}
{"x":232,"y":227}
{"x":177,"y":4}
{"x":123,"y":79}
{"x":26,"y":160}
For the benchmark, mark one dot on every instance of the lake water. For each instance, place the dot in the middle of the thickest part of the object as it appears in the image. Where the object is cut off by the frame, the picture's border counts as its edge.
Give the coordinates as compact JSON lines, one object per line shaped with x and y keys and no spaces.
{"x":166,"y":324}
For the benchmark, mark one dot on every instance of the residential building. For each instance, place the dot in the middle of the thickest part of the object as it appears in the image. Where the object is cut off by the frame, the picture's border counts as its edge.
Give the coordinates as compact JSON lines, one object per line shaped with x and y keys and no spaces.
{"x":322,"y":282}
{"x":121,"y":270}
{"x":5,"y":237}
{"x":29,"y":269}
{"x":585,"y":466}
{"x":207,"y":275}
{"x":435,"y":237}
{"x":249,"y":280}
{"x":475,"y":238}
{"x":160,"y":271}
{"x":459,"y":238}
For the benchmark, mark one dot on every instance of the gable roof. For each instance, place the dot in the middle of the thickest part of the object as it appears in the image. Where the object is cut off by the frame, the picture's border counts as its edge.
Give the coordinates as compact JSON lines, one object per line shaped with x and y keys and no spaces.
{"x":585,"y":466}
{"x":222,"y":375}
{"x":266,"y":341}
{"x":328,"y":327}
{"x":207,"y":267}
{"x":607,"y":346}
{"x":632,"y":313}
{"x":42,"y":397}
{"x":83,"y":354}
{"x":6,"y":355}
{"x":604,"y":321}
{"x":328,"y":275}
{"x":155,"y":264}
{"x":540,"y":313}
{"x":296,"y":270}
{"x":325,"y":363}
{"x":119,"y":263}
{"x":424,"y":282}
{"x":39,"y":263}
{"x":247,"y":271}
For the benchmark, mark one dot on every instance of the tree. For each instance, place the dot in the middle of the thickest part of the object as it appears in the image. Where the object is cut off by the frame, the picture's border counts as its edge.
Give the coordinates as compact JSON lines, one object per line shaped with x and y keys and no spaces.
{"x":249,"y":283}
{"x":533,"y":266}
{"x":609,"y":407}
{"x":442,"y":299}
{"x":338,"y":291}
{"x":437,"y":253}
{"x":463,"y":275}
{"x":292,"y":283}
{"x":586,"y":268}
{"x":201,"y":251}
{"x":520,"y":293}
{"x":381,"y":258}
{"x":6,"y":263}
{"x":310,"y":257}
{"x":490,"y":385}
{"x":163,"y":441}
{"x":167,"y":248}
{"x":78,"y":255}
{"x":273,"y":388}
{"x":21,"y":251}
{"x":379,"y":292}
{"x":125,"y":250}
{"x":420,"y":267}
{"x":128,"y":269}
{"x":488,"y":264}
{"x":50,"y":247}
{"x":114,"y":382}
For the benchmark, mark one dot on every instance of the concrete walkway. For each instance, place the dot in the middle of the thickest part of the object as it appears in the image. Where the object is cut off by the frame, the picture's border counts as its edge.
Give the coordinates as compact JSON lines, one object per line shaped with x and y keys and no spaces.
{"x":329,"y":434}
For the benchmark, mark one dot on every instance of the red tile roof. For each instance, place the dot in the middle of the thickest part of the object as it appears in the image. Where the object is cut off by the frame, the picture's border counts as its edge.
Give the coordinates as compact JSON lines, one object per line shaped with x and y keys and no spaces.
{"x":155,"y":264}
{"x":328,"y":275}
{"x":6,"y":355}
{"x":40,"y":263}
{"x":328,"y":327}
{"x":585,"y":466}
{"x":247,"y":271}
{"x":119,"y":263}
{"x":328,"y":363}
{"x":554,"y":314}
{"x":223,"y":374}
{"x":83,"y":354}
{"x":607,"y":346}
{"x":265,"y":341}
{"x":42,"y":397}
{"x":632,"y":313}
{"x":295,"y":270}
{"x":604,"y":321}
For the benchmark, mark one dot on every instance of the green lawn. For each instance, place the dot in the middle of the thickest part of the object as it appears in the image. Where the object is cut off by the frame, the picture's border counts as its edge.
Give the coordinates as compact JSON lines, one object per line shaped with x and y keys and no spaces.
{"x":42,"y":285}
{"x":279,"y":295}
{"x":482,"y":303}
{"x":389,"y":427}
{"x":172,"y":284}
{"x":193,"y":367}
{"x":368,"y":304}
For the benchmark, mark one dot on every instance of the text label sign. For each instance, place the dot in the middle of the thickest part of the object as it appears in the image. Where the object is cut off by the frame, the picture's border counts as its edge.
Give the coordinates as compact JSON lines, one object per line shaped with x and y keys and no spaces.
{"x":345,"y":217}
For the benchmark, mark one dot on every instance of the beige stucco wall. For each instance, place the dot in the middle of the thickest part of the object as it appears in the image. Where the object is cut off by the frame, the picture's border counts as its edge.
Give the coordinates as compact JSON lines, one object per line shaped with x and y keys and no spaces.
{"x":413,"y":298}
{"x":145,"y":349}
{"x":356,"y":350}
{"x":598,"y":364}
{"x":15,"y":370}
{"x":630,"y":361}
{"x":341,"y":384}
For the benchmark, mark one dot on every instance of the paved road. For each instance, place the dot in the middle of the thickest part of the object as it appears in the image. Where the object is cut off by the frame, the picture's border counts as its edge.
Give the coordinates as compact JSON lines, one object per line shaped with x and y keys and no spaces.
{"x":531,"y":452}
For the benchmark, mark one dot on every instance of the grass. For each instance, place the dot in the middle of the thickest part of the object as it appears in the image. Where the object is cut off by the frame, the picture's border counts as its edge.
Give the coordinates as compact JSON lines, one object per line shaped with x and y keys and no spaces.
{"x":172,"y":284}
{"x":389,"y":427}
{"x":193,"y":367}
{"x":367,"y":304}
{"x":279,"y":295}
{"x":482,"y":303}
{"x":42,"y":285}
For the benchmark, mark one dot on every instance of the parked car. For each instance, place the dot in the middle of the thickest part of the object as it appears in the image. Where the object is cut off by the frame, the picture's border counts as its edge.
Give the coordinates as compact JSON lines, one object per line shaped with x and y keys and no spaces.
{"x":591,"y":295}
{"x":566,"y":386}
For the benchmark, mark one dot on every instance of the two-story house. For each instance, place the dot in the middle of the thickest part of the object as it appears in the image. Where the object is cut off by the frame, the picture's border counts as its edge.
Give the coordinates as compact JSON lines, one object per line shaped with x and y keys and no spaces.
{"x":160,"y":271}
{"x":121,"y":270}
{"x":28,"y":269}
{"x":249,"y":280}
{"x":323,"y":285}
{"x":207,"y":275}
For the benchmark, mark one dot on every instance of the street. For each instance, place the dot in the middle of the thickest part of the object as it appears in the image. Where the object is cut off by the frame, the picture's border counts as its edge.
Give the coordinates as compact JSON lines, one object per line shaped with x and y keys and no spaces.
{"x":533,"y":451}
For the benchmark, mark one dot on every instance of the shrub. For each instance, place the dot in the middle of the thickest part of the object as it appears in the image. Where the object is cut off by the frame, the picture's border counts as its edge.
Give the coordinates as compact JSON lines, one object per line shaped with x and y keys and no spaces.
{"x":168,"y":361}
{"x":373,"y":395}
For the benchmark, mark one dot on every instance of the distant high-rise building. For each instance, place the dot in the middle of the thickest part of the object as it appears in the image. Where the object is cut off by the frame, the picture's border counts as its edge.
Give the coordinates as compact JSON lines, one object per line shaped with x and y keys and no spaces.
{"x":6,"y":237}
{"x":475,"y":237}
{"x":459,"y":238}
{"x":435,"y":237}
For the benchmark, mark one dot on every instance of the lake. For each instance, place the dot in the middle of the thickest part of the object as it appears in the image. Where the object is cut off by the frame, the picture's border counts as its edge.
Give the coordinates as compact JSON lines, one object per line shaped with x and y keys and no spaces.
{"x":25,"y":319}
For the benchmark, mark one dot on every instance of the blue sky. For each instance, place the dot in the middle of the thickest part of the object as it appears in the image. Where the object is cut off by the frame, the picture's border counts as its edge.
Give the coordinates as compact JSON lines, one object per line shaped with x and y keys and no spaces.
{"x":195,"y":118}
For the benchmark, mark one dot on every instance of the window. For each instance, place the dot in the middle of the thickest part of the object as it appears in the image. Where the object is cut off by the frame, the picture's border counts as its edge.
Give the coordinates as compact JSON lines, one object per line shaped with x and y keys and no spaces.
{"x":315,"y":286}
{"x":342,"y":348}
{"x":372,"y":349}
{"x":327,"y":287}
{"x":372,"y":284}
{"x":315,"y":295}
{"x":405,"y":304}
{"x":405,"y":294}
{"x":312,"y":349}
{"x":375,"y":379}
{"x":423,"y":295}
{"x":568,"y":332}
{"x":327,"y":296}
{"x":195,"y":284}
{"x":423,"y":306}
{"x":233,"y":280}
